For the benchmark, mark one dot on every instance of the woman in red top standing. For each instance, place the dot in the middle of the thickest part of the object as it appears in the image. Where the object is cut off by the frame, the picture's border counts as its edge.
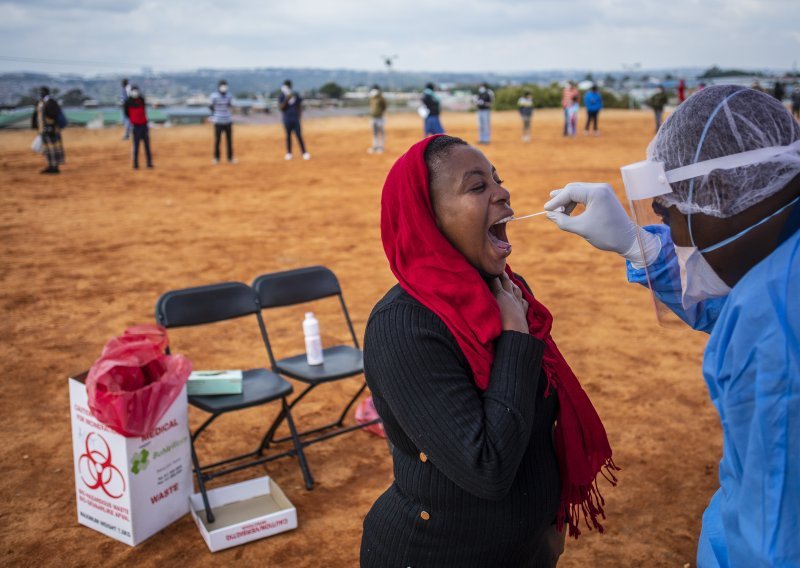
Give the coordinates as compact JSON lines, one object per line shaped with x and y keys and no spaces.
{"x":136,"y":111}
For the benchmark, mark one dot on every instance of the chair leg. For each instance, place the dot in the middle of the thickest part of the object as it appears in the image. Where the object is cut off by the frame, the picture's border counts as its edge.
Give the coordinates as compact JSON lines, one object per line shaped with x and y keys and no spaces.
{"x":301,"y":457}
{"x":269,"y":437}
{"x":350,"y":405}
{"x":201,"y":485}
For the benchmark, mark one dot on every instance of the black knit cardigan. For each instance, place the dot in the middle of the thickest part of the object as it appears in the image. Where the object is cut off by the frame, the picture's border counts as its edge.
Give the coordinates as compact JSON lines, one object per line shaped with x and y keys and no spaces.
{"x":476,"y":476}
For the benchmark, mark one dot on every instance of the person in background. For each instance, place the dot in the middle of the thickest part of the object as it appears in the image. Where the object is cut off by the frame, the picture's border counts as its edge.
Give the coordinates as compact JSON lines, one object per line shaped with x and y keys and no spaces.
{"x":483,"y":101}
{"x":723,"y":254}
{"x":593,"y":102}
{"x":125,"y":92}
{"x":136,"y":111}
{"x":48,"y":119}
{"x":377,"y":108}
{"x":431,"y":103}
{"x":756,"y":86}
{"x":525,"y":106}
{"x":572,"y":116}
{"x":567,"y":97}
{"x":221,"y":104}
{"x":657,"y":102}
{"x":796,"y":100}
{"x":681,"y":91}
{"x":779,"y":91}
{"x":291,"y":105}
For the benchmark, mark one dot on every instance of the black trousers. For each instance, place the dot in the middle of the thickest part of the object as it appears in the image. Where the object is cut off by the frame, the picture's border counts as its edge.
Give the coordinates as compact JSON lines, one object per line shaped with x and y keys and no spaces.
{"x":293,"y":125}
{"x":591,"y":118}
{"x":141,"y":133}
{"x":219,"y":129}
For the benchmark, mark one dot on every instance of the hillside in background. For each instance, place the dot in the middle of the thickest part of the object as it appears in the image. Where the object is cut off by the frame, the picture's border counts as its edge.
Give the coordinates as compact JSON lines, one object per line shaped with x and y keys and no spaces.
{"x":14,"y":86}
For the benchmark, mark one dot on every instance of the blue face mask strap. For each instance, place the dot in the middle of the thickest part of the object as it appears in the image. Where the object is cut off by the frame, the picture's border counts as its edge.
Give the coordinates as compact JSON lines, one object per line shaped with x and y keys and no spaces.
{"x":750,"y":228}
{"x":697,"y":154}
{"x":791,"y":226}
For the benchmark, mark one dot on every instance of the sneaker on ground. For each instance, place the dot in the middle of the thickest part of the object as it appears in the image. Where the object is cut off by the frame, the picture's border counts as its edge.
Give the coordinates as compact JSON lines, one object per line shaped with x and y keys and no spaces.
{"x":215,"y":161}
{"x":233,"y":161}
{"x":306,"y":156}
{"x":288,"y":156}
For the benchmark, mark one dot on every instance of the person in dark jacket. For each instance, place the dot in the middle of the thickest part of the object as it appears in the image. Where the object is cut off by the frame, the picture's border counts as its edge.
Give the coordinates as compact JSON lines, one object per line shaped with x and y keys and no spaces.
{"x":469,"y":383}
{"x":291,"y":105}
{"x":657,"y":102}
{"x":483,"y":101}
{"x":431,"y":108}
{"x":136,"y":111}
{"x":48,"y":119}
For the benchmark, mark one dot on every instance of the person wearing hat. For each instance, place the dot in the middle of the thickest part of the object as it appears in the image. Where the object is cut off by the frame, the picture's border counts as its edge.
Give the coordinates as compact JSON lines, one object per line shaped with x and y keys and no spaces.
{"x":716,"y":239}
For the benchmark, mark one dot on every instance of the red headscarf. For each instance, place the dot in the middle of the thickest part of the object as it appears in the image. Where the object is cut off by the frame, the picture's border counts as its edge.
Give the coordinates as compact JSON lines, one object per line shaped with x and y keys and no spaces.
{"x":432,"y":271}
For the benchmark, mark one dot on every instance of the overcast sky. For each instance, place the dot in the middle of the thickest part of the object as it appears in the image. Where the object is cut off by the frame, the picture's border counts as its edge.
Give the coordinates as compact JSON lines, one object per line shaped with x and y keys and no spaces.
{"x":108,"y":36}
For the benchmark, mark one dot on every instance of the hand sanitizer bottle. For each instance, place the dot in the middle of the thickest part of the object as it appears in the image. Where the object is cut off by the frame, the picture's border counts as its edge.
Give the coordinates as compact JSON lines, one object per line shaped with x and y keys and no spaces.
{"x":313,"y":340}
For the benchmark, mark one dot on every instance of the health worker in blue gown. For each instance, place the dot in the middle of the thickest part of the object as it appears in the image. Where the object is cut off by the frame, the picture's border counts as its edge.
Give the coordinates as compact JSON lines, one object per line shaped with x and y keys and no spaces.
{"x":722,"y":184}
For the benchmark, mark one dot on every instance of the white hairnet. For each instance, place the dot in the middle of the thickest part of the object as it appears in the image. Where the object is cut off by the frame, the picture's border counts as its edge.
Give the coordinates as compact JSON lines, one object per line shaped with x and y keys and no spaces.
{"x":719,"y":121}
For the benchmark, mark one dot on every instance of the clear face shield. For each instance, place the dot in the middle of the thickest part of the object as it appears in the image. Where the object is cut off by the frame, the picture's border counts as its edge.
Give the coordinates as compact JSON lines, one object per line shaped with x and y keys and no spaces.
{"x":646,"y":185}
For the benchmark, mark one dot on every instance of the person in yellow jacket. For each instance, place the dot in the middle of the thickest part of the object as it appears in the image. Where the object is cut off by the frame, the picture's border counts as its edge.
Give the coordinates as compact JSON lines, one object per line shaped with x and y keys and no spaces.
{"x":377,"y":108}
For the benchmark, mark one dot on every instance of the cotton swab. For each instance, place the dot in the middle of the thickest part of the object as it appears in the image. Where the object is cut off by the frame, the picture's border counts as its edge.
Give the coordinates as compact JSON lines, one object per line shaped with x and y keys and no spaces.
{"x":533,"y":215}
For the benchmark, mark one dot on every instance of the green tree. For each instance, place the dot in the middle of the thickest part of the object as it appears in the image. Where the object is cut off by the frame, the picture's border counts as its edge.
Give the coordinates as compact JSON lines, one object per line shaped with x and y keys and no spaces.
{"x":73,"y":97}
{"x":331,"y":90}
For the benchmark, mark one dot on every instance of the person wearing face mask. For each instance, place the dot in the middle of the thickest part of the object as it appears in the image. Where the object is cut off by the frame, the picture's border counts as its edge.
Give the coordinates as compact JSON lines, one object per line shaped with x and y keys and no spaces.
{"x":430,"y":110}
{"x":722,"y":182}
{"x":136,"y":110}
{"x":496,"y":447}
{"x":525,"y":107}
{"x":221,"y":105}
{"x":48,"y":120}
{"x":291,"y":105}
{"x":657,"y":102}
{"x":377,"y":108}
{"x":483,"y":102}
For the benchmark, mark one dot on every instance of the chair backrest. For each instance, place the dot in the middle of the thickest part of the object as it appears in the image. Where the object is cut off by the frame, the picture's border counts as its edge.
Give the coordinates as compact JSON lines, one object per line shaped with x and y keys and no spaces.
{"x":280,"y":289}
{"x":295,"y":286}
{"x":206,"y":304}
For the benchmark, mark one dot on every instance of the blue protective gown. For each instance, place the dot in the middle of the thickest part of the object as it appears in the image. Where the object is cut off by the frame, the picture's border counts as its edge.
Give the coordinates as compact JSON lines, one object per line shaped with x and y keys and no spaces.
{"x":752,"y":368}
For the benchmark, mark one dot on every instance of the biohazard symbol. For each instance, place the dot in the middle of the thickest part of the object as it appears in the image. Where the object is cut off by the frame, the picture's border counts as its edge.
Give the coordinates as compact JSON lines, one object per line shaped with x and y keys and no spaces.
{"x":96,"y":469}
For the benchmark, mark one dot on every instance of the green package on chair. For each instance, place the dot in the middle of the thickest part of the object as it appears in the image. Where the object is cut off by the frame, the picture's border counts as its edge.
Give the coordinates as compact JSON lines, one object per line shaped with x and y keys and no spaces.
{"x":203,"y":383}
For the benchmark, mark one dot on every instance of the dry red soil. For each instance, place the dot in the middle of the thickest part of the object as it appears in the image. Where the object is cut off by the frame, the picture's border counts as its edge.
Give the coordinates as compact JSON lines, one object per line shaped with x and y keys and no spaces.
{"x":87,"y":253}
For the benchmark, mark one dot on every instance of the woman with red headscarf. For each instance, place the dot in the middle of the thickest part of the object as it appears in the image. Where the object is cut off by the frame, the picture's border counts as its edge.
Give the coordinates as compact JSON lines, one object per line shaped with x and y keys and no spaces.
{"x":495,"y":445}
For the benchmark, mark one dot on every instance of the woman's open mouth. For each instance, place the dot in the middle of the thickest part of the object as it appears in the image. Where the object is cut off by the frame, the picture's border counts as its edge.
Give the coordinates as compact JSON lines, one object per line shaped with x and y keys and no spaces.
{"x":497,"y":235}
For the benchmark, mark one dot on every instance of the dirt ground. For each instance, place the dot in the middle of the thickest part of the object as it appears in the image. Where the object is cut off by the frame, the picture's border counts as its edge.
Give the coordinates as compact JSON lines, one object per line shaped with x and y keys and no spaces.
{"x":87,"y":253}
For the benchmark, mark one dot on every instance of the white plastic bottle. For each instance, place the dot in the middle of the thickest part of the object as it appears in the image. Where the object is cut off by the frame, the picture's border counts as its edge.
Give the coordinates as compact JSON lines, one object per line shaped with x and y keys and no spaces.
{"x":313,"y":340}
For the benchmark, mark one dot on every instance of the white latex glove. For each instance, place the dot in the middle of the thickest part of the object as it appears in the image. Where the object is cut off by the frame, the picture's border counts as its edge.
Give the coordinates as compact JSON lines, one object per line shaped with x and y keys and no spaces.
{"x":604,"y":223}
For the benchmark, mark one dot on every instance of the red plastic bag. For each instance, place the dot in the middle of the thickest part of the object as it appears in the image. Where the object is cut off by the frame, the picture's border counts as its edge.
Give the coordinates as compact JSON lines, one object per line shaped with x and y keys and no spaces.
{"x":133,"y":383}
{"x":365,"y":412}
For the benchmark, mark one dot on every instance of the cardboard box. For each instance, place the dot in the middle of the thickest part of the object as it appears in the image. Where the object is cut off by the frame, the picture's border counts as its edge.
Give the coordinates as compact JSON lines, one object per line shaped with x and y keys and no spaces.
{"x":243,"y":512}
{"x":130,"y":488}
{"x":202,"y":383}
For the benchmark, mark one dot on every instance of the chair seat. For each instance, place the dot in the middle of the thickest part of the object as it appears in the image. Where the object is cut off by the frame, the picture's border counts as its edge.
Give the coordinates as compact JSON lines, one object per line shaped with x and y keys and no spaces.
{"x":258,"y":386}
{"x":339,"y":362}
